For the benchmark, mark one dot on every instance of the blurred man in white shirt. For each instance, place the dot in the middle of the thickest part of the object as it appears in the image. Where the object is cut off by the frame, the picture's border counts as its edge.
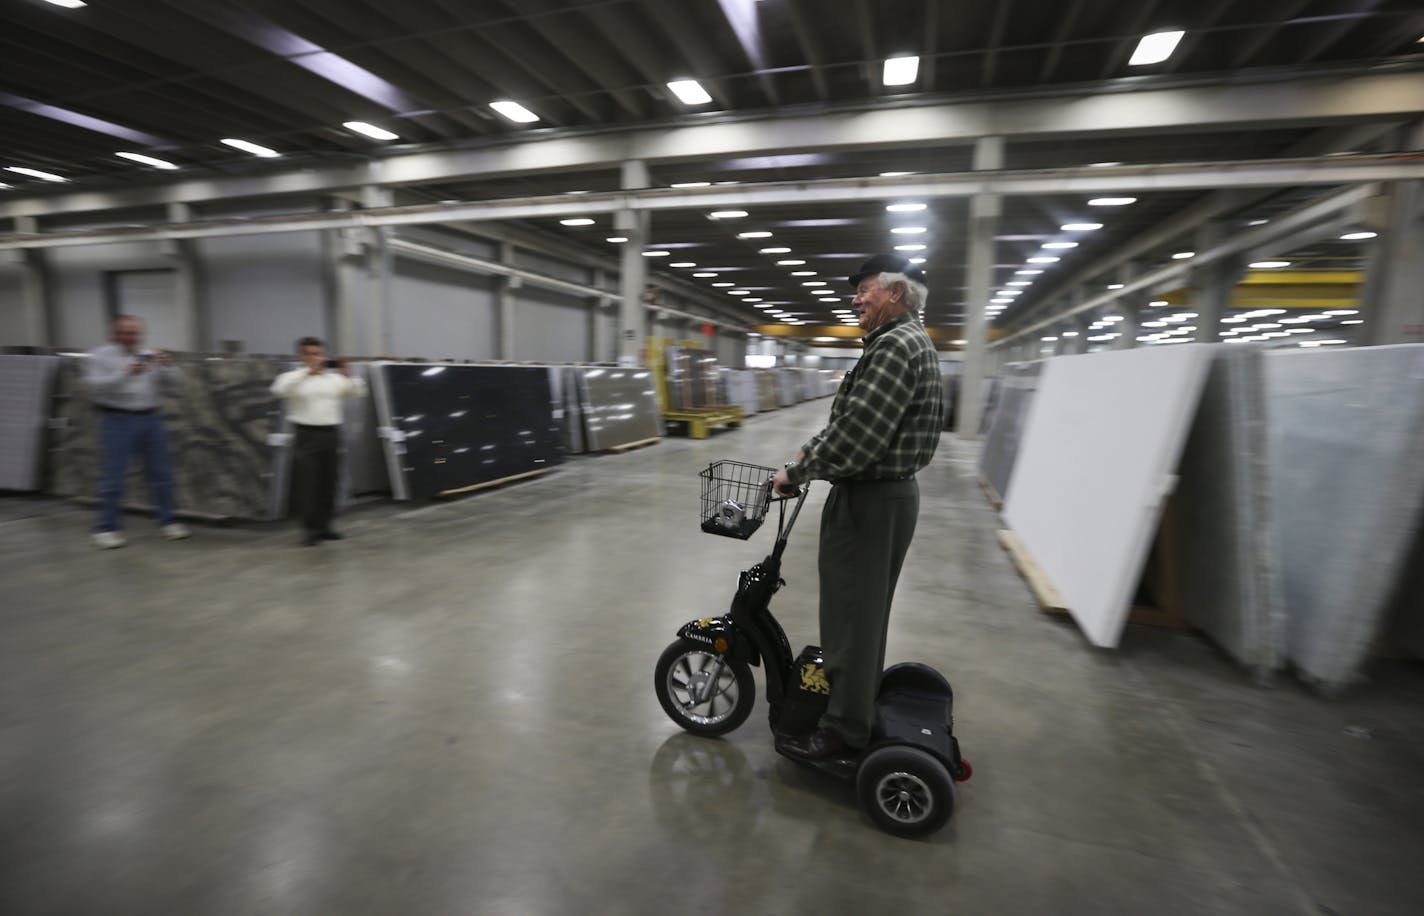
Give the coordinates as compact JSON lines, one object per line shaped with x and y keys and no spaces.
{"x":314,"y":394}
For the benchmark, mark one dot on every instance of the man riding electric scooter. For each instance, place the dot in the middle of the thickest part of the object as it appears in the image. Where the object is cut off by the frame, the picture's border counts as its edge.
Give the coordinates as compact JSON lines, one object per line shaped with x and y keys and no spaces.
{"x":884,"y":426}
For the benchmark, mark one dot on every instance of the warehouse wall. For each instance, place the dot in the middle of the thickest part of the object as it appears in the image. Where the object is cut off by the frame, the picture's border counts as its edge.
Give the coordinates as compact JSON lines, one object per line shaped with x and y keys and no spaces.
{"x":442,"y":312}
{"x":14,"y":330}
{"x":77,"y":288}
{"x":265,"y":290}
{"x":551,"y":326}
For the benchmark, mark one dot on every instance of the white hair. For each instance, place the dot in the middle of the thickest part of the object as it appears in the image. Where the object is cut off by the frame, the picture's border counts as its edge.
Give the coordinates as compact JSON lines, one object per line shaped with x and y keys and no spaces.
{"x":916,"y":293}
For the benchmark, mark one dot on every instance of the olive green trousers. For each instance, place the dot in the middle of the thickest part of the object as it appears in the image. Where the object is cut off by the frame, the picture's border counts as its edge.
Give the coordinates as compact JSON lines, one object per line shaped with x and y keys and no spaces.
{"x":866,"y":528}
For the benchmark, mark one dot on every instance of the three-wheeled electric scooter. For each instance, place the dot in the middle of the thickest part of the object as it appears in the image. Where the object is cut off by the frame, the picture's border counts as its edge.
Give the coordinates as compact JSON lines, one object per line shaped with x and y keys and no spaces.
{"x":905,"y":776}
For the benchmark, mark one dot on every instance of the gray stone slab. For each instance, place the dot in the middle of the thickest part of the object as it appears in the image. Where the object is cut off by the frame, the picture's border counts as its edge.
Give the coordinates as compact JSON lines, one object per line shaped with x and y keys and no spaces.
{"x":1014,"y":395}
{"x":620,"y":406}
{"x":1346,"y":436}
{"x":1223,"y":527}
{"x":221,"y":420}
{"x":25,"y":386}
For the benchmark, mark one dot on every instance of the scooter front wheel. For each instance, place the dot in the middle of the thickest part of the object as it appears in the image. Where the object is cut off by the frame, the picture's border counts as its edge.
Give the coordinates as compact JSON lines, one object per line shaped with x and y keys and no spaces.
{"x":703,"y":692}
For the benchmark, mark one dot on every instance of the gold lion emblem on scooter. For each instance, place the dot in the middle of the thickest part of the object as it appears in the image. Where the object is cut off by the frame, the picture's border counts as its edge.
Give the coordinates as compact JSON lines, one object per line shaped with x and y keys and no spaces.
{"x":813,"y":679}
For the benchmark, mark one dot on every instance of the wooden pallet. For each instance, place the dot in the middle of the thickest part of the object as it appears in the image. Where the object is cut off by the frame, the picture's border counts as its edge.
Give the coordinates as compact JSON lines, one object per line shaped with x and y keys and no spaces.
{"x":1051,"y":601}
{"x":495,"y":483}
{"x":989,"y":491}
{"x":629,"y":446}
{"x":700,"y":421}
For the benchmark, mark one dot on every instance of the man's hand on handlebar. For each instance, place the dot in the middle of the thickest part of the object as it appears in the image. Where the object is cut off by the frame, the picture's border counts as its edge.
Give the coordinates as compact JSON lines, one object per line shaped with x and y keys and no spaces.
{"x":782,"y":484}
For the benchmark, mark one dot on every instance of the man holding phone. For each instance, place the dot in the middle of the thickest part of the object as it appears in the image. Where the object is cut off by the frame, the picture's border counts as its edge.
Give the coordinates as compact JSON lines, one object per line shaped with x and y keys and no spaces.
{"x":313,"y":394}
{"x":125,"y":382}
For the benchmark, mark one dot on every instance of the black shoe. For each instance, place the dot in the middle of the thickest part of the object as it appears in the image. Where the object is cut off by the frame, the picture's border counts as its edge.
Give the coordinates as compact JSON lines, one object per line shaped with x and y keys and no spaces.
{"x":311,"y":539}
{"x":329,"y":535}
{"x":821,"y":744}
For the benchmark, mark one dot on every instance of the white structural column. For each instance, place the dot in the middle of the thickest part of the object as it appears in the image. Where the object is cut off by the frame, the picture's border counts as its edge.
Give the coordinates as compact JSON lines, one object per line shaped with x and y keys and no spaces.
{"x":32,"y":267}
{"x":600,"y":341}
{"x":363,"y":269}
{"x":1391,"y":301}
{"x":188,"y":286}
{"x":633,"y":278}
{"x":984,"y":210}
{"x":1130,"y":308}
{"x":1073,"y":339}
{"x":507,"y":288}
{"x":1214,"y":284}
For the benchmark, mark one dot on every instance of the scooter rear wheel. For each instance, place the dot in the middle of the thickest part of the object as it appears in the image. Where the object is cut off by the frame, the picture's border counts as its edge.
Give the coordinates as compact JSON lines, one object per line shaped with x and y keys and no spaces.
{"x":703,"y":692}
{"x":905,"y":791}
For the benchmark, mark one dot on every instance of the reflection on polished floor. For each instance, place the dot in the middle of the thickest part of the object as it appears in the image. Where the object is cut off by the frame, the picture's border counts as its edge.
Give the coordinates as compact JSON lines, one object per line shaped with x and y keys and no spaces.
{"x":452,"y":712}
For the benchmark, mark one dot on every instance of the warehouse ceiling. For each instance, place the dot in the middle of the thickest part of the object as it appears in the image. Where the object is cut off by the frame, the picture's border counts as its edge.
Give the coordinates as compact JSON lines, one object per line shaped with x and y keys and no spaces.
{"x":173,"y":80}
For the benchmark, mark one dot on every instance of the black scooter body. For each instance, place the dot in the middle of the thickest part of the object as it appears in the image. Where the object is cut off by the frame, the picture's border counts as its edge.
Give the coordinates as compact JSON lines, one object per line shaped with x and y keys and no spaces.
{"x":915,"y":705}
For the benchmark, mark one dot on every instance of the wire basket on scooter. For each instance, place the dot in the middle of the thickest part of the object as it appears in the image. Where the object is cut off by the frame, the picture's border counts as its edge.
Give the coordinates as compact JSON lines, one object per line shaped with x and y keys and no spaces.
{"x":735,"y":496}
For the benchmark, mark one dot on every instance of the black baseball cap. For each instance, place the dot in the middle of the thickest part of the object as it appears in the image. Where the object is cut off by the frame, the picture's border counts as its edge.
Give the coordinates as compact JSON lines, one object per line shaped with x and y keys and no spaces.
{"x":887,"y":263}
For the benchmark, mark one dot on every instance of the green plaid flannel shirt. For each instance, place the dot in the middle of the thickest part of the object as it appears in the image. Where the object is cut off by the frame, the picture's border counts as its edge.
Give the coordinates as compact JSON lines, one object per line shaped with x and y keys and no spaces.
{"x":887,"y":416}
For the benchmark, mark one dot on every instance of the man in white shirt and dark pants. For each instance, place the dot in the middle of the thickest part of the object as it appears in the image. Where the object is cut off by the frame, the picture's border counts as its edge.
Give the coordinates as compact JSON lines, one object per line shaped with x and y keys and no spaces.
{"x":313,"y":394}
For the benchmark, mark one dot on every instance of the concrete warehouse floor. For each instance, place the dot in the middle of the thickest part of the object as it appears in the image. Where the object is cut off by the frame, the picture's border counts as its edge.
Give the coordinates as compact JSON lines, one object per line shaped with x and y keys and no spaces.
{"x":452,"y":712}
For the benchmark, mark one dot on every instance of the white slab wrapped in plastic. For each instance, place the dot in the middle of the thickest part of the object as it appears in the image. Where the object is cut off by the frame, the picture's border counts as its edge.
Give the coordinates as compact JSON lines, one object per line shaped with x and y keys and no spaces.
{"x":1347,"y":459}
{"x":742,"y":389}
{"x":1103,"y":436}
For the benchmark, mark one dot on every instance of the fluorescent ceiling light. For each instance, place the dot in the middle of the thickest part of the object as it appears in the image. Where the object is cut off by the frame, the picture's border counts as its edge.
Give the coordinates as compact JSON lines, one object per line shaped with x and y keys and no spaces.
{"x":917,"y":260}
{"x":814,"y":283}
{"x":1062,"y":246}
{"x":68,"y":4}
{"x":1019,"y":283}
{"x":900,"y":71}
{"x":1155,"y":48}
{"x":792,"y":262}
{"x":895,"y":174}
{"x":615,"y":239}
{"x":1268,"y":265}
{"x":1158,"y":302}
{"x":683,"y":264}
{"x":739,"y":292}
{"x":1342,"y":312}
{"x":34,"y":173}
{"x":249,"y":147}
{"x":1354,"y":321}
{"x":576,"y":221}
{"x":369,"y":130}
{"x":514,"y":111}
{"x":908,"y":230}
{"x":691,"y":184}
{"x":776,"y":251}
{"x":724,"y":284}
{"x":704,"y":274}
{"x":1010,"y":292}
{"x":1027,"y":273}
{"x":689,"y":92}
{"x":1114,"y":286}
{"x":1111,"y":201}
{"x":759,"y":234}
{"x":1357,"y":236}
{"x":147,"y":160}
{"x":905,"y":208}
{"x":656,"y":254}
{"x":910,"y":247}
{"x":1080,"y":227}
{"x":1183,"y":255}
{"x":1042,"y":260}
{"x":1001,"y":301}
{"x":727,"y":214}
{"x":1069,"y":334}
{"x":1102,"y":165}
{"x":1258,"y":222}
{"x":803,"y":273}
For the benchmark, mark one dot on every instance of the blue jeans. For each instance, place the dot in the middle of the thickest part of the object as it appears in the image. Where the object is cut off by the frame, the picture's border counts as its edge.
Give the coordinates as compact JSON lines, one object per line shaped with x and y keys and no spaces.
{"x":120,"y":436}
